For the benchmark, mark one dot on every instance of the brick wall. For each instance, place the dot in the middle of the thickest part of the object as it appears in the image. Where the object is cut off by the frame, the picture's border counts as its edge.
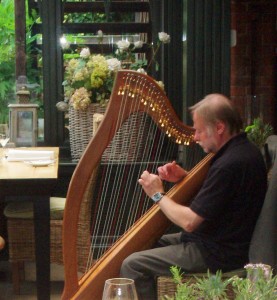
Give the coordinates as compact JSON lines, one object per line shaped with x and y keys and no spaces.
{"x":253,"y":59}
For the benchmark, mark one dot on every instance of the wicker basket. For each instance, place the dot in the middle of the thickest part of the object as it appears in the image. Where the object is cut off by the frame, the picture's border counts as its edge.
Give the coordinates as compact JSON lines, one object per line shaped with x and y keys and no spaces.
{"x":81,"y":128}
{"x":167,"y":287}
{"x":128,"y":144}
{"x":22,"y":240}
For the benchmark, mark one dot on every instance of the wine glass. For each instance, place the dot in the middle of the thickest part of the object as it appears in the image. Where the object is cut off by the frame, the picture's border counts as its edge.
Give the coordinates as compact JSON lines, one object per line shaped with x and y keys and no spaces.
{"x":4,"y":139}
{"x":119,"y":289}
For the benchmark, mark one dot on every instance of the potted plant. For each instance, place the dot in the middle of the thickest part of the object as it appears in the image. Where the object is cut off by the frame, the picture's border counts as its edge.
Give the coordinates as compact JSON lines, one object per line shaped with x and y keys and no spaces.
{"x":258,"y":132}
{"x":259,"y":284}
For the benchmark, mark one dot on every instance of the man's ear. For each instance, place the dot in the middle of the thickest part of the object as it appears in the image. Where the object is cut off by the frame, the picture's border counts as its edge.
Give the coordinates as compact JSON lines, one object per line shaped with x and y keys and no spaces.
{"x":220,"y":127}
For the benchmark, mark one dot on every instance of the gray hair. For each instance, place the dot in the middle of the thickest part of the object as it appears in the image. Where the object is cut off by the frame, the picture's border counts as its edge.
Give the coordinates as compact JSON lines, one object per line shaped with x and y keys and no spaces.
{"x":217,"y":107}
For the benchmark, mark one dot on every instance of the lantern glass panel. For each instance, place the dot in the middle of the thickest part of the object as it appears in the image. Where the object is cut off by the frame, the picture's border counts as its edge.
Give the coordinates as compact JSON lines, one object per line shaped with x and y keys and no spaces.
{"x":25,"y":128}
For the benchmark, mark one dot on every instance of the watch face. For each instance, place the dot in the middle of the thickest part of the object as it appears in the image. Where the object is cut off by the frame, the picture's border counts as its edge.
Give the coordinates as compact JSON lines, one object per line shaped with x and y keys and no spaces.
{"x":157,"y":197}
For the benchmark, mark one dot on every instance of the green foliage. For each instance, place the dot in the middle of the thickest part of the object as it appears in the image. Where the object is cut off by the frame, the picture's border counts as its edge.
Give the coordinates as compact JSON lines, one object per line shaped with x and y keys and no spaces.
{"x":139,"y":63}
{"x":92,"y":17}
{"x":7,"y":57}
{"x":262,"y":289}
{"x":183,"y":288}
{"x":215,"y":287}
{"x":176,"y":274}
{"x":212,"y":287}
{"x":7,"y":33}
{"x":258,"y":132}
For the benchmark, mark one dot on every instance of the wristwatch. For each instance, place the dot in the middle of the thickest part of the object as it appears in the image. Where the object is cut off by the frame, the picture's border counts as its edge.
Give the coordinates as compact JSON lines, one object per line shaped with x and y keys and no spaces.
{"x":157,"y":196}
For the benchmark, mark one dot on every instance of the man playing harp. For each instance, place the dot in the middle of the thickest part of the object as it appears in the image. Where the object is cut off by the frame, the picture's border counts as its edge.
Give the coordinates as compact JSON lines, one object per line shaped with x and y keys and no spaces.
{"x":218,"y":225}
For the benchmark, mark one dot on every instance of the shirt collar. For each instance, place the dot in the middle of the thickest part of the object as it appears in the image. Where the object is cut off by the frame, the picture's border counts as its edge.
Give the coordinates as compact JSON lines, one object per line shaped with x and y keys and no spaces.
{"x":234,"y":140}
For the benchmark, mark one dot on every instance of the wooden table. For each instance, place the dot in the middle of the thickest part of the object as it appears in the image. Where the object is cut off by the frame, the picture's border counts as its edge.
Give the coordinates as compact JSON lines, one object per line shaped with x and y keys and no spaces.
{"x":23,"y":181}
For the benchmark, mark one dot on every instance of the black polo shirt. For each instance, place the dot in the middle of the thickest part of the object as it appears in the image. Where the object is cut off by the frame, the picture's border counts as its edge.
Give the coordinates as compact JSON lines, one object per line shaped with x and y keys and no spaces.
{"x":230,"y":201}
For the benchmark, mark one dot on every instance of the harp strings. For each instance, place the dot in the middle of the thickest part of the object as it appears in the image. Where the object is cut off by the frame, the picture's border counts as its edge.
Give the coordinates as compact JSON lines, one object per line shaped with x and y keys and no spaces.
{"x":101,"y":233}
{"x":119,"y":206}
{"x":121,"y":172}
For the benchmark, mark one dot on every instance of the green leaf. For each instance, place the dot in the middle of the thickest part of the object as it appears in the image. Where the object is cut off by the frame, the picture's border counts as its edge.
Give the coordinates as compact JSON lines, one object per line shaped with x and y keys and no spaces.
{"x":258,"y":132}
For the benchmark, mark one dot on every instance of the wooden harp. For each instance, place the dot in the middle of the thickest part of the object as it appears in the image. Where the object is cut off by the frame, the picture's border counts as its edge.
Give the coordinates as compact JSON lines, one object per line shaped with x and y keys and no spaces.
{"x":133,"y":93}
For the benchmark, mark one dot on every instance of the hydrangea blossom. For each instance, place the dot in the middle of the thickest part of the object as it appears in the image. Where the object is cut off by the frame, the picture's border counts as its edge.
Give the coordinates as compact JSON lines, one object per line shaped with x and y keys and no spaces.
{"x":80,"y":100}
{"x":89,"y":78}
{"x":114,"y":64}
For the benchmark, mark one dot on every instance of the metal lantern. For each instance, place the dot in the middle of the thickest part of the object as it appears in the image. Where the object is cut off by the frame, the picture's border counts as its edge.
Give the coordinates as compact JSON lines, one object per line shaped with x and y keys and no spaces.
{"x":23,"y":120}
{"x":23,"y":95}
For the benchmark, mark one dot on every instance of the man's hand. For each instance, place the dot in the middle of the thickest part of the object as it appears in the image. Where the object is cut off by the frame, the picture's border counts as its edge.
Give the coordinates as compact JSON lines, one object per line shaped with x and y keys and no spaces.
{"x":171,"y":172}
{"x":151,"y":183}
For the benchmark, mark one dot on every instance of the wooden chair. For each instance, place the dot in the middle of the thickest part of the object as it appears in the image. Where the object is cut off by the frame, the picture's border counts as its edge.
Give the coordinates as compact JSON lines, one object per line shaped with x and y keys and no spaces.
{"x":20,"y":226}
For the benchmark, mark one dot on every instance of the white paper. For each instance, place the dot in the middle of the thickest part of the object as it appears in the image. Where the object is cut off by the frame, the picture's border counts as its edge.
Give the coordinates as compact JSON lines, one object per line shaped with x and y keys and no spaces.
{"x":26,"y":155}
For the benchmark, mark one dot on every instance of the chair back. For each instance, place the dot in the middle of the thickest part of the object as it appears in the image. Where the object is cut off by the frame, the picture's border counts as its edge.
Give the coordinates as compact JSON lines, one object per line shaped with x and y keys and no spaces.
{"x":263,"y":248}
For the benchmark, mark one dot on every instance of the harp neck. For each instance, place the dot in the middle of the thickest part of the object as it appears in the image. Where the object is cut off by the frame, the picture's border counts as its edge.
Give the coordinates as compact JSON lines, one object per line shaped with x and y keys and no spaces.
{"x":133,"y":92}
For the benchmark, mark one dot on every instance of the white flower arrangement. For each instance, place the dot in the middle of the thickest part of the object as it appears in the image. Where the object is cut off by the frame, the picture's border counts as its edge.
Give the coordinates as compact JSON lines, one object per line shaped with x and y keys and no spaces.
{"x":89,"y":77}
{"x":163,"y":38}
{"x":125,"y":51}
